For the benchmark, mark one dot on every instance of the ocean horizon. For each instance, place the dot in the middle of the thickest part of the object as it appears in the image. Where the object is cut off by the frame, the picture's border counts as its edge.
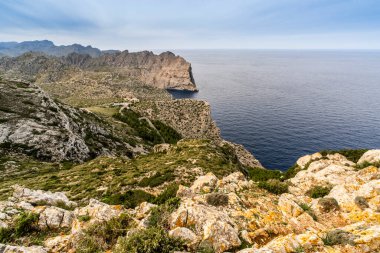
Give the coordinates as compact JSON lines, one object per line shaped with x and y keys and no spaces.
{"x":282,"y":104}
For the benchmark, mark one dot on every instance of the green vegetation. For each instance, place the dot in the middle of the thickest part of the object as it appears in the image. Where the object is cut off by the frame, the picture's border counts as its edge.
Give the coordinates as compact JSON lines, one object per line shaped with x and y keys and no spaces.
{"x":319,"y":191}
{"x":25,"y":224}
{"x":170,"y":192}
{"x":103,"y":236}
{"x":167,"y":133}
{"x":308,"y":210}
{"x":157,"y":179}
{"x":130,"y":199}
{"x":338,"y":237}
{"x":158,"y":133}
{"x":217,"y":199}
{"x":259,"y":174}
{"x":118,"y":174}
{"x":367,"y":164}
{"x":151,"y":240}
{"x":274,"y":186}
{"x":328,"y":204}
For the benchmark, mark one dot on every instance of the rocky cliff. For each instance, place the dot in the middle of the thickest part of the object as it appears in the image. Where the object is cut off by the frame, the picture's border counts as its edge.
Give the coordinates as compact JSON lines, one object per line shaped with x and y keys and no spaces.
{"x":32,"y":123}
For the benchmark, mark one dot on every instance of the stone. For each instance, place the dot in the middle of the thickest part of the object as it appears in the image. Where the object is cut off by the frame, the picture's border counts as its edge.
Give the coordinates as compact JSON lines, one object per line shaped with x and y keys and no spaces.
{"x":143,"y":210}
{"x":39,"y":197}
{"x":289,"y":207}
{"x":52,"y":217}
{"x":21,"y":249}
{"x":204,"y":183}
{"x":185,"y":234}
{"x":302,"y":161}
{"x":61,"y":243}
{"x":161,"y":148}
{"x":371,"y":156}
{"x":97,"y":211}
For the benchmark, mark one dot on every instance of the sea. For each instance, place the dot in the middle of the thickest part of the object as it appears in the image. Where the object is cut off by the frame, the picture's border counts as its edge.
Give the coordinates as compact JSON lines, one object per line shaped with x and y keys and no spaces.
{"x":283,"y":104}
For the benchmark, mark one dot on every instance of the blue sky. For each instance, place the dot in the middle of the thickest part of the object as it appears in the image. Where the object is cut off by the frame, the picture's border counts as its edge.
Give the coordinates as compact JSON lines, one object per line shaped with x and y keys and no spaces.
{"x":187,"y":24}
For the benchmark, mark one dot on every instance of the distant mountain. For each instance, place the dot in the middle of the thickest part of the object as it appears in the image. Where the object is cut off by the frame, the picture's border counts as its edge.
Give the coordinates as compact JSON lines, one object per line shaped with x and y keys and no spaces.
{"x":45,"y":46}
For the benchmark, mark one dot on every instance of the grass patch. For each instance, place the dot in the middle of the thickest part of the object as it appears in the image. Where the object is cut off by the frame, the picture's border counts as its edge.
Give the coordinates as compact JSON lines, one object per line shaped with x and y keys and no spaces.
{"x":25,"y":224}
{"x":338,"y":237}
{"x":259,"y":174}
{"x":103,"y":236}
{"x":157,"y":179}
{"x":319,"y":191}
{"x":169,"y":193}
{"x":274,"y":186}
{"x":151,"y":240}
{"x":130,"y":199}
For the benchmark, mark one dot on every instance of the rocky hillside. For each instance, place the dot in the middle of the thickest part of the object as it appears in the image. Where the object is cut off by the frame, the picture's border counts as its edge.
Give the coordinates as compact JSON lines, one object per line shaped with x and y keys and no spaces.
{"x":83,"y":77}
{"x":330,"y":205}
{"x":45,"y":46}
{"x":32,"y":123}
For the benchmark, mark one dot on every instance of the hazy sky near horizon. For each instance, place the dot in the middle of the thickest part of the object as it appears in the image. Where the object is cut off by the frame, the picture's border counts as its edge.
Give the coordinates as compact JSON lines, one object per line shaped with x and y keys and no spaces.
{"x":193,"y":24}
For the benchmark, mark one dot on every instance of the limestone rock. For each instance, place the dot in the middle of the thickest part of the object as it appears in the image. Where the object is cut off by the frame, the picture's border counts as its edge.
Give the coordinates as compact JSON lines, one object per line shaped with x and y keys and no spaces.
{"x":301,"y":162}
{"x":204,"y":183}
{"x":143,"y":210}
{"x":185,"y":234}
{"x":53,"y":217}
{"x":39,"y":197}
{"x":371,"y":156}
{"x":20,"y":249}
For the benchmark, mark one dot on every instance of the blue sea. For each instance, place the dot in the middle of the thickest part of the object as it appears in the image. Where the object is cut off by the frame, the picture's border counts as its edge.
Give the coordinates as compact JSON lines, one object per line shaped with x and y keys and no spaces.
{"x":284,"y":104}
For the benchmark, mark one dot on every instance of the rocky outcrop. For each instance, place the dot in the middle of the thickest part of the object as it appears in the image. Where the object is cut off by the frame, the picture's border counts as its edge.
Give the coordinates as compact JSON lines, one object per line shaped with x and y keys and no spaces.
{"x":32,"y":123}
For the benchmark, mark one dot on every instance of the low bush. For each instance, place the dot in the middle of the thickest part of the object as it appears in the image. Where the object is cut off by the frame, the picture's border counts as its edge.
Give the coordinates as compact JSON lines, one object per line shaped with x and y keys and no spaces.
{"x":361,"y":202}
{"x":157,"y":179}
{"x":274,"y":186}
{"x":338,"y":237}
{"x":259,"y":174}
{"x":159,"y":216}
{"x":217,"y":199}
{"x":328,"y":204}
{"x":168,"y":133}
{"x":103,"y":236}
{"x":319,"y":191}
{"x":169,"y":192}
{"x":25,"y":223}
{"x":151,"y":240}
{"x":130,"y":199}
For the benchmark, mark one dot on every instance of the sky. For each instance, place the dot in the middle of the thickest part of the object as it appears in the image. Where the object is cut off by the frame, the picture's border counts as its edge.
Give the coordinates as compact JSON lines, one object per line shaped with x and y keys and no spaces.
{"x":195,"y":24}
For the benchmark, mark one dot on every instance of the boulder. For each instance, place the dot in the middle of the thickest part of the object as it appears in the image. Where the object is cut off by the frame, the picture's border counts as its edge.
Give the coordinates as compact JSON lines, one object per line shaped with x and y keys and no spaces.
{"x":185,"y":234}
{"x":21,"y":249}
{"x":143,"y":210}
{"x":39,"y":197}
{"x":302,"y":161}
{"x":204,"y":183}
{"x":52,"y":217}
{"x":371,"y":156}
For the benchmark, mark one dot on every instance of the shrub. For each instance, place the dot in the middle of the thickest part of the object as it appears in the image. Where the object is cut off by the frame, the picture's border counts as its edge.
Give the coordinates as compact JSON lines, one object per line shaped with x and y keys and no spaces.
{"x":130,"y":199}
{"x":157,"y":179}
{"x":291,"y":172}
{"x":26,"y":223}
{"x":259,"y":174}
{"x":305,"y":206}
{"x":328,"y":204}
{"x":151,"y":240}
{"x":84,"y":218}
{"x":217,"y":199}
{"x":103,"y":236}
{"x":159,"y":216}
{"x":336,"y":237}
{"x":168,"y":133}
{"x":319,"y":191}
{"x":361,"y":202}
{"x":274,"y":186}
{"x":169,"y":192}
{"x":6,"y":235}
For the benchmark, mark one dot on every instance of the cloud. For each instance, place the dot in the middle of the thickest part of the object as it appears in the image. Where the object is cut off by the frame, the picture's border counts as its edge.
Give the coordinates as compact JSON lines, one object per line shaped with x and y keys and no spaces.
{"x":149,"y":24}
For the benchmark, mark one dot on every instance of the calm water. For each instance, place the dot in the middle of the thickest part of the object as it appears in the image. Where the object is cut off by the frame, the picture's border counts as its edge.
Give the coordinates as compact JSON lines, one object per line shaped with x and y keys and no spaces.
{"x":283,"y":104}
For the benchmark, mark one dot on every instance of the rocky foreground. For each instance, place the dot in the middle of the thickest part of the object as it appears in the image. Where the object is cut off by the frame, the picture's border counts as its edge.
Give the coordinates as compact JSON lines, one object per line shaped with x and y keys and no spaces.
{"x":332,"y":205}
